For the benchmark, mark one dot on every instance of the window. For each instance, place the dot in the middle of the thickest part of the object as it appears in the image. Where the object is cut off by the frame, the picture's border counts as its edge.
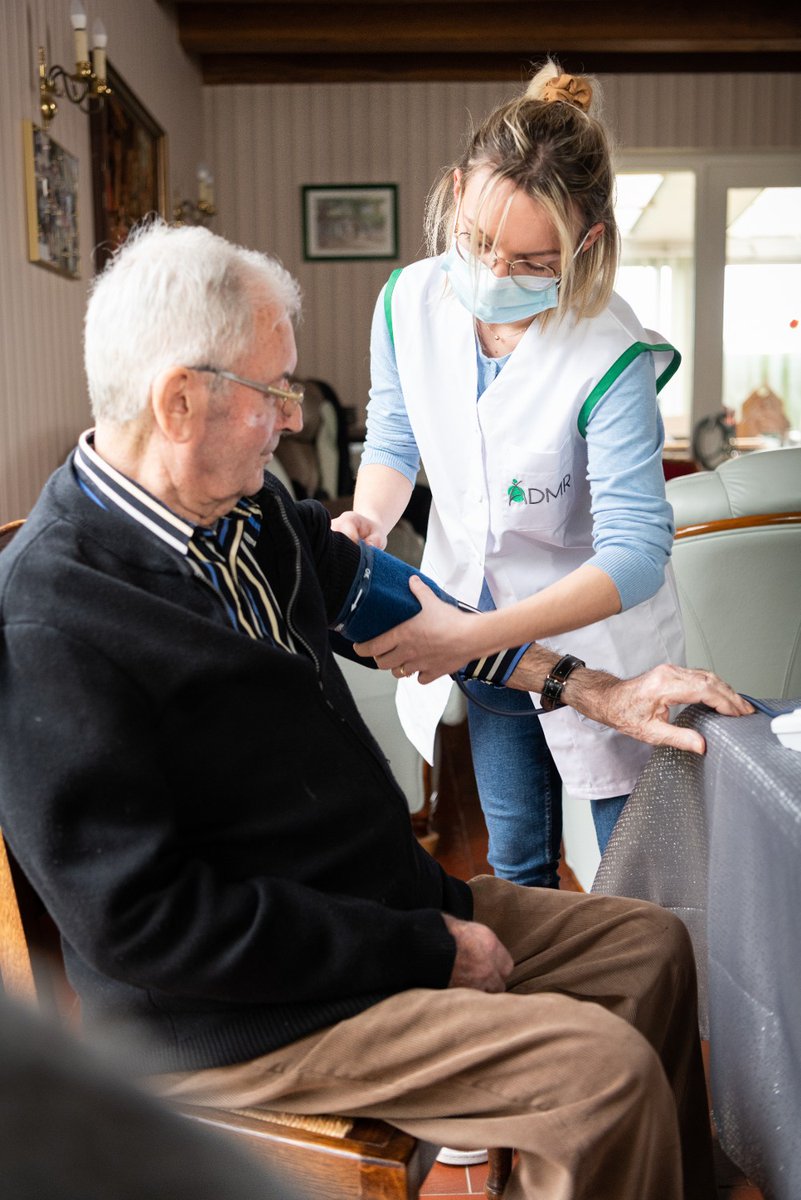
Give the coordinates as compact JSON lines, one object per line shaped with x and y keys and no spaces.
{"x":656,"y":215}
{"x":762,"y":309}
{"x":711,"y":258}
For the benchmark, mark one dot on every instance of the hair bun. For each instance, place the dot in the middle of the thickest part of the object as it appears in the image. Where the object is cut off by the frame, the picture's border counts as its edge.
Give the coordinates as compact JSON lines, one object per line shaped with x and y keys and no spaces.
{"x":572,"y":89}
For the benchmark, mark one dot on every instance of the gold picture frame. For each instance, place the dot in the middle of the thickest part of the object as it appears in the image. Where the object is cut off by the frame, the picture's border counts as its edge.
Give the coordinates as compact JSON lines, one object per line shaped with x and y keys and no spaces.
{"x":51,"y":193}
{"x":129,"y":167}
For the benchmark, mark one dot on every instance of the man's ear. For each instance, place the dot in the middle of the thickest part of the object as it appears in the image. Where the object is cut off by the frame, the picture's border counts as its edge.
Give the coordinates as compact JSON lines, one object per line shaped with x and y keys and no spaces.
{"x":179,"y":400}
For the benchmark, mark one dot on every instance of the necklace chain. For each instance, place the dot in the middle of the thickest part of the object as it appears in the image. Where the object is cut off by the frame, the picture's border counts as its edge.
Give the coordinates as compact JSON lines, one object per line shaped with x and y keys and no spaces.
{"x":488,"y":331}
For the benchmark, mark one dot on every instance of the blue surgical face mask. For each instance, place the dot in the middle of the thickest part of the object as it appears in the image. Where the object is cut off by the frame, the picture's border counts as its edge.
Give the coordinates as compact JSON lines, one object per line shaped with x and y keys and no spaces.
{"x":497,"y":300}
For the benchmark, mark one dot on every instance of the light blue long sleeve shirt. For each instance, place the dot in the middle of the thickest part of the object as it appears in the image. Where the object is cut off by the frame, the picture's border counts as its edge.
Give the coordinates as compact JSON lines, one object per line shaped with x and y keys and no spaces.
{"x":632,"y":520}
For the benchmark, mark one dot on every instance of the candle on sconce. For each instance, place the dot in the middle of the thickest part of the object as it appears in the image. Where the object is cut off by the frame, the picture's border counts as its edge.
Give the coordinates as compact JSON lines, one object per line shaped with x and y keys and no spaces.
{"x":78,"y":21}
{"x":205,"y":187}
{"x":99,"y":43}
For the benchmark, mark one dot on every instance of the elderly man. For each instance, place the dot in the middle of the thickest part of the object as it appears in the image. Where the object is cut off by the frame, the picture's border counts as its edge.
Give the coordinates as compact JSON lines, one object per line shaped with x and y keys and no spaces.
{"x":186,"y":781}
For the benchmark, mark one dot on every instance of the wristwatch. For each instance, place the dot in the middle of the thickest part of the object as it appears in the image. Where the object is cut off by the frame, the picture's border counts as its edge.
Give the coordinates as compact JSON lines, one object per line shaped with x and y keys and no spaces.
{"x":551,"y":695}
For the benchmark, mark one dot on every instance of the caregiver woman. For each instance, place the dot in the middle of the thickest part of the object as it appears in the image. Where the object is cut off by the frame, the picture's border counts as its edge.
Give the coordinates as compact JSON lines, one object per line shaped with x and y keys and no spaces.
{"x":528,"y":389}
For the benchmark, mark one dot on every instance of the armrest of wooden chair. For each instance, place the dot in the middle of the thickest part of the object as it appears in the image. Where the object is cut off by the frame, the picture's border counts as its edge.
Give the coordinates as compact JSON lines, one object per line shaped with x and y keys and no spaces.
{"x":8,"y":530}
{"x":334,"y":1156}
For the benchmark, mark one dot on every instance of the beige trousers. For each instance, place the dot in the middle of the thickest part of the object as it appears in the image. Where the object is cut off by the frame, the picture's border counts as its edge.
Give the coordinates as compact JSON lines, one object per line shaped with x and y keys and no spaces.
{"x":589,"y":1065}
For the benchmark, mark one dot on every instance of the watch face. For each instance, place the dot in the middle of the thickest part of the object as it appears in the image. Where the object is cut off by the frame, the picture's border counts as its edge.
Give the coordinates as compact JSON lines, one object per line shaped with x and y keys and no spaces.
{"x":551,"y":694}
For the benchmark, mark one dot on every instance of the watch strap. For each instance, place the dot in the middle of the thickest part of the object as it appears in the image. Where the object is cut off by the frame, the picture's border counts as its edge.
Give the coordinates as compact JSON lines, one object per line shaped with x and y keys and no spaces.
{"x":551,"y":695}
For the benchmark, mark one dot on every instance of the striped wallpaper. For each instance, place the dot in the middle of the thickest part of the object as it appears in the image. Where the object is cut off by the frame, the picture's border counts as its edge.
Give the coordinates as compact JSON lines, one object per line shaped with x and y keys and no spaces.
{"x":43,"y":403}
{"x":263,"y":143}
{"x":267,"y":141}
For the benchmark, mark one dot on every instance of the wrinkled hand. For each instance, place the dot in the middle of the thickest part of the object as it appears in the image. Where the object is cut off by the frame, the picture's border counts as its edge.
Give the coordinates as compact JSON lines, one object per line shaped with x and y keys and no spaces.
{"x":359,"y":528}
{"x":640,"y":707}
{"x":432,"y":643}
{"x":482,"y":961}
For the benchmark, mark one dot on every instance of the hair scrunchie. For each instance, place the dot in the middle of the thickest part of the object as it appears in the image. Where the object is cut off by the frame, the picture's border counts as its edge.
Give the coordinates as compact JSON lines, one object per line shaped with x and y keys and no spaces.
{"x":572,"y":89}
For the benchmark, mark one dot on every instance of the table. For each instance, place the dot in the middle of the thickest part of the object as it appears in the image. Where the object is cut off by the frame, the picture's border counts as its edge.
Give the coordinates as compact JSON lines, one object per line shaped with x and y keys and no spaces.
{"x":717,"y":839}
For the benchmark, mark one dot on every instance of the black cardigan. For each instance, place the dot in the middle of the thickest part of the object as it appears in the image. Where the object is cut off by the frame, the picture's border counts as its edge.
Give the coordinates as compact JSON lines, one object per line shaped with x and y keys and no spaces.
{"x":207,"y":818}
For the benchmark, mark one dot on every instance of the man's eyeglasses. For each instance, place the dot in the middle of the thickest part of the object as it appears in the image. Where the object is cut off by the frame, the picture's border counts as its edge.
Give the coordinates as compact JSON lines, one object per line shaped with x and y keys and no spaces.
{"x":290,"y":397}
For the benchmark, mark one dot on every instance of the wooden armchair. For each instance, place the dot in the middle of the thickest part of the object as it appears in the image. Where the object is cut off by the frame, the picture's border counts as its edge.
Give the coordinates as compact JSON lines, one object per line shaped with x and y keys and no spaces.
{"x":333,"y":1157}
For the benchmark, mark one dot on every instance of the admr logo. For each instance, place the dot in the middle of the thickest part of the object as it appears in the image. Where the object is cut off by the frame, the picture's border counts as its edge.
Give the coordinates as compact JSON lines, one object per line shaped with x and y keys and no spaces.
{"x":518,"y":494}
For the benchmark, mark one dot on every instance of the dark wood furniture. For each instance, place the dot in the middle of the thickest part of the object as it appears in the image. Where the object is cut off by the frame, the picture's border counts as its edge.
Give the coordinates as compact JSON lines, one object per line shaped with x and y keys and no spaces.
{"x":8,"y":530}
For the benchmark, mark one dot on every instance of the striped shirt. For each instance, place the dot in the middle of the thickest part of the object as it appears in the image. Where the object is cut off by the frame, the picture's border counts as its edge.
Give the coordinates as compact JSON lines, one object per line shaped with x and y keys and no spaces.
{"x":221,"y":555}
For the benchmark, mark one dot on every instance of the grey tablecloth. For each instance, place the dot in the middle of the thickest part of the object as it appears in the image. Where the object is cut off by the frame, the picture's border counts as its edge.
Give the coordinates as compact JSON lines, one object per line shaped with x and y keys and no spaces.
{"x":717,"y":839}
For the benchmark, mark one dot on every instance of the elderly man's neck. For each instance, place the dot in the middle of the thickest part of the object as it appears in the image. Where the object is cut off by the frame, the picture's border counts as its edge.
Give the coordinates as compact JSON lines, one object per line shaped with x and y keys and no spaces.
{"x":138,"y":451}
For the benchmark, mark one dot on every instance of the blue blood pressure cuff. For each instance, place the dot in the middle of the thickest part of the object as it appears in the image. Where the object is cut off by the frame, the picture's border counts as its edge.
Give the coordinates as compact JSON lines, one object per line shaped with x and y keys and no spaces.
{"x":379,"y":599}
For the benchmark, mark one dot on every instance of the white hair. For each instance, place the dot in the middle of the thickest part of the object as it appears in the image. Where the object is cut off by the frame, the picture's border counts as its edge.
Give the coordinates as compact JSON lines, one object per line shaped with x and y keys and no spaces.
{"x":173,"y":296}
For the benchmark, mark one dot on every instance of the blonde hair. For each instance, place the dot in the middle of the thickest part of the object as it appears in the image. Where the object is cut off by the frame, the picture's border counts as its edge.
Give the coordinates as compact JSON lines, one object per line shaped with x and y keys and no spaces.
{"x":550,"y":144}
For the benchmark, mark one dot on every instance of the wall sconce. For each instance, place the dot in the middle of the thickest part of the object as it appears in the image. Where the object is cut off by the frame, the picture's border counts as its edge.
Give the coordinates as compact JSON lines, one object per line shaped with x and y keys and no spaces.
{"x":88,"y":82}
{"x":200,"y":211}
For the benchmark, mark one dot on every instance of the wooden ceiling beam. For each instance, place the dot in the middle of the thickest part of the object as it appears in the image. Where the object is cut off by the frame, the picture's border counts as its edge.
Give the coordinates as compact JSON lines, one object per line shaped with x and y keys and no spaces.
{"x":625,"y":26}
{"x":263,"y":41}
{"x":219,"y":69}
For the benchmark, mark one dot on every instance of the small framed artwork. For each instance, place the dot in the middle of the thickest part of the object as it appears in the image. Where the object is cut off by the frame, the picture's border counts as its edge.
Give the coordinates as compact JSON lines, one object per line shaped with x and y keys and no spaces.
{"x":350,"y":221}
{"x":51,"y":192}
{"x":129,"y":167}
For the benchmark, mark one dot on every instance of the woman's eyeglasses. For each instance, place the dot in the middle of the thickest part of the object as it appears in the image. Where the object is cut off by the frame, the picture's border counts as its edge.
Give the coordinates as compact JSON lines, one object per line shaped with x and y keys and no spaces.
{"x":521,"y":268}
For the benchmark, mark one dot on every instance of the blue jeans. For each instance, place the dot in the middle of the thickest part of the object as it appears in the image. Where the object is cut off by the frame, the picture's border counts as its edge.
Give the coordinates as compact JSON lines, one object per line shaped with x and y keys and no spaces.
{"x":604,"y":816}
{"x":520,"y":788}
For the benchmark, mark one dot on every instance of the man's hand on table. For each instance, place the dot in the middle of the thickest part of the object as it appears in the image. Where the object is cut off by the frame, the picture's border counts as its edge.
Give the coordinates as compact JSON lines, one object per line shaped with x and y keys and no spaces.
{"x":482,"y":961}
{"x":639,"y":707}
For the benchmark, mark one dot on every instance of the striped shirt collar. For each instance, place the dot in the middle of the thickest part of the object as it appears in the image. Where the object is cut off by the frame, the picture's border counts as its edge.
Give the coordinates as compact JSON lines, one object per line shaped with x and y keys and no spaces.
{"x":220,"y":554}
{"x":106,"y":483}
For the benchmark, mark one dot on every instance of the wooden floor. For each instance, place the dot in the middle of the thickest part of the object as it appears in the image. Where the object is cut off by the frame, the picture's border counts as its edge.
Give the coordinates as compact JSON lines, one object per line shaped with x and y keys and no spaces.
{"x":462,"y":850}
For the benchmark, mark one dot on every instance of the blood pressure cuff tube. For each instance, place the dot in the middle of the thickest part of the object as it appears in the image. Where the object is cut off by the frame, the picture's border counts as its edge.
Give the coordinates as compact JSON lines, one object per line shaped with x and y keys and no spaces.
{"x":379,"y":599}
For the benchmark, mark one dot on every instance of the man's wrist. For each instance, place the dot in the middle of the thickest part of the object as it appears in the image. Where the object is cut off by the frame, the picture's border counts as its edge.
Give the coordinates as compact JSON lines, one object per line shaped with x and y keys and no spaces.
{"x":585,"y":689}
{"x":588,"y":692}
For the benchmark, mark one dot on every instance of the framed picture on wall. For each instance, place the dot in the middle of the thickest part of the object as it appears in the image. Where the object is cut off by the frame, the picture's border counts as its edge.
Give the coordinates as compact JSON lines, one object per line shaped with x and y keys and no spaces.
{"x":51,"y":193}
{"x":129,"y":167}
{"x":350,"y":221}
